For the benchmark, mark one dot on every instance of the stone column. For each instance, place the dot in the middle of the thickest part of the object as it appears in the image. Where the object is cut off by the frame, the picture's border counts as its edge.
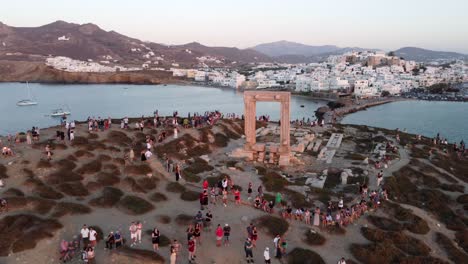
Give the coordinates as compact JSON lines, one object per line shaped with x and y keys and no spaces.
{"x":284,"y":149}
{"x":249,"y":122}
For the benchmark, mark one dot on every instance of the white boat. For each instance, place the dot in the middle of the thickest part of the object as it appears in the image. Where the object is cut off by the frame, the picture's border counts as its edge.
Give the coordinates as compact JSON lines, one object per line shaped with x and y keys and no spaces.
{"x":60,"y":112}
{"x":27,"y":102}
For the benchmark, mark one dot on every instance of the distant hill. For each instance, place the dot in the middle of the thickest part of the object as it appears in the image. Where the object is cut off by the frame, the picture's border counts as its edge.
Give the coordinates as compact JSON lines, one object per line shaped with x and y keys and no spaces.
{"x":292,"y":52}
{"x":89,"y":41}
{"x":424,"y":55}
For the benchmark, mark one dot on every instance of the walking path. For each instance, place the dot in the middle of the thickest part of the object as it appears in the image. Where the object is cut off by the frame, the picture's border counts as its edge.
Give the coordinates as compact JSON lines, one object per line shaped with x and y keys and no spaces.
{"x":392,"y":168}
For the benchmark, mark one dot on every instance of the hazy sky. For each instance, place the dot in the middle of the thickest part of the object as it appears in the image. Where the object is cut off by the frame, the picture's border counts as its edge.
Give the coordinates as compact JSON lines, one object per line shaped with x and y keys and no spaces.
{"x":385,"y":24}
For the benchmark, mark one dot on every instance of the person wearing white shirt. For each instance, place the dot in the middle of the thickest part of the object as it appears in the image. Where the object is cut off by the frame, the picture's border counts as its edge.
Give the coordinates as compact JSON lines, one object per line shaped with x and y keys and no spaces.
{"x":342,"y":261}
{"x":85,"y":235}
{"x":92,"y":237}
{"x":148,"y":154}
{"x":266,"y":255}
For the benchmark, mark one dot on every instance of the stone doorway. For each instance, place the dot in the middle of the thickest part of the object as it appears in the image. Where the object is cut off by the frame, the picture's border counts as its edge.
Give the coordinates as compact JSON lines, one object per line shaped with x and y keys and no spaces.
{"x":254,"y":149}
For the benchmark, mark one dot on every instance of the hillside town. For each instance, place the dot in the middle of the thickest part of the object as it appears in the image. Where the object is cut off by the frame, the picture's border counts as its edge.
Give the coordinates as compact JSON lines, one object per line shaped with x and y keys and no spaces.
{"x":368,"y":74}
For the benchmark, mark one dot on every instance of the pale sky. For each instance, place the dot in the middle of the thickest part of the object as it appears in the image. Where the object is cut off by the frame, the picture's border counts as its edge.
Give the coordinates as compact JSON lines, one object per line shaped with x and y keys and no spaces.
{"x":383,"y":24}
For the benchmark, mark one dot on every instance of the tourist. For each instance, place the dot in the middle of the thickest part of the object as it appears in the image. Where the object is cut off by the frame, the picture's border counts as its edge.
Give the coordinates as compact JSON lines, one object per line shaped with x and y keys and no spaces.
{"x":85,"y":235}
{"x":307,"y":217}
{"x":133,"y":233}
{"x":340,"y":203}
{"x":225,"y":197}
{"x":190,"y":230}
{"x":248,"y":250}
{"x":48,"y":152}
{"x":260,"y":191}
{"x":224,"y":183}
{"x":176,"y":132}
{"x":278,"y":199}
{"x":191,"y":249}
{"x":205,"y":185}
{"x":155,"y":239}
{"x":1,"y":183}
{"x":176,"y":246}
{"x":208,"y":219}
{"x":92,"y":237}
{"x":213,"y":195}
{"x":110,"y":240}
{"x":277,"y":242}
{"x":199,"y":218}
{"x":139,"y":225}
{"x":379,"y":177}
{"x":177,"y":172}
{"x":227,"y":233}
{"x":254,"y":236}
{"x":3,"y":205}
{"x":266,"y":255}
{"x":342,"y":261}
{"x":118,"y":239}
{"x":197,"y":232}
{"x":219,"y":235}
{"x":249,"y":191}
{"x":64,"y":252}
{"x":28,"y":138}
{"x":90,"y":254}
{"x":203,"y":199}
{"x":72,"y":135}
{"x":131,"y":155}
{"x":317,"y":216}
{"x":237,"y":196}
{"x":173,"y":257}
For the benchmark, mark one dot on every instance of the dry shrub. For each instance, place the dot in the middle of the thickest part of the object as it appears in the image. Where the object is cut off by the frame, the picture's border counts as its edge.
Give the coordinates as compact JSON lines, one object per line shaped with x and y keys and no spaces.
{"x":463,"y":199}
{"x":412,"y":222}
{"x":134,"y":205}
{"x":382,"y":253}
{"x":261,"y":170}
{"x":451,"y":163}
{"x":273,"y":182}
{"x":119,"y":161}
{"x":164,"y":219}
{"x":175,"y":187}
{"x":119,"y":138}
{"x":198,"y":150}
{"x":90,"y":167}
{"x":313,"y":238}
{"x":109,"y":197}
{"x":22,"y":232}
{"x":461,"y":237}
{"x":333,"y":178}
{"x":453,"y":253}
{"x":104,"y":157}
{"x":190,"y":177}
{"x":373,"y":235}
{"x":385,"y":223}
{"x":132,"y":255}
{"x":3,"y":172}
{"x":66,"y":164}
{"x":47,"y":192}
{"x":141,"y":169}
{"x":132,"y":184}
{"x":158,"y":197}
{"x":198,"y":166}
{"x":73,"y":189}
{"x":13,"y":192}
{"x":107,"y":179}
{"x":147,"y":183}
{"x":407,"y":244}
{"x":304,"y":256}
{"x":40,"y":206}
{"x":184,"y":219}
{"x":235,"y":133}
{"x":113,"y":149}
{"x":93,"y":136}
{"x":336,"y":230}
{"x":273,"y":225}
{"x":111,"y":167}
{"x":80,"y":141}
{"x":174,"y":148}
{"x":66,"y":208}
{"x":93,"y":186}
{"x":43,"y":164}
{"x":221,"y":140}
{"x":83,"y":154}
{"x":63,"y":176}
{"x":189,"y":196}
{"x":421,"y":260}
{"x":297,"y":199}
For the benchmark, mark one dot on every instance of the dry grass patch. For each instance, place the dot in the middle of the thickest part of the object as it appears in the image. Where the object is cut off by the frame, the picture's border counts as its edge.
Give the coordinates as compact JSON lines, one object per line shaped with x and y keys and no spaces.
{"x":63,"y":176}
{"x":137,"y":256}
{"x":22,"y":232}
{"x":163,"y":219}
{"x":90,"y":167}
{"x":73,"y":189}
{"x":119,"y":138}
{"x":454,"y":254}
{"x":304,"y":256}
{"x":66,"y":208}
{"x":461,"y":237}
{"x":3,"y":172}
{"x":147,"y":183}
{"x":273,"y":182}
{"x":405,"y":243}
{"x":43,"y":164}
{"x":13,"y":192}
{"x":134,"y":205}
{"x":313,"y":238}
{"x":189,"y":196}
{"x":104,"y":158}
{"x":175,"y":187}
{"x":47,"y":192}
{"x":158,"y":197}
{"x":141,"y":169}
{"x":107,"y":179}
{"x":109,"y":197}
{"x":272,"y":224}
{"x":385,"y":223}
{"x":184,"y":219}
{"x":83,"y":154}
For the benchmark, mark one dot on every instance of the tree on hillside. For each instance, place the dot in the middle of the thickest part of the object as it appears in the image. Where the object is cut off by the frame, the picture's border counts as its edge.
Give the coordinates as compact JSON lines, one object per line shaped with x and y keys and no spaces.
{"x":391,"y":54}
{"x":385,"y":93}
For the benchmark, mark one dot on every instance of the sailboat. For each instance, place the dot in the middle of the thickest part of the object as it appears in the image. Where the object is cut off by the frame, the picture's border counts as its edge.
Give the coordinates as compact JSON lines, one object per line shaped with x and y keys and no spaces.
{"x":60,"y":112}
{"x":29,"y":101}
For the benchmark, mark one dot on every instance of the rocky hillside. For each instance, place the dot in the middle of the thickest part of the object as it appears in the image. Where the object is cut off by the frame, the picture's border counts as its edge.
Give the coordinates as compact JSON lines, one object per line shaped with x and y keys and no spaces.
{"x":424,"y":55}
{"x":89,"y":42}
